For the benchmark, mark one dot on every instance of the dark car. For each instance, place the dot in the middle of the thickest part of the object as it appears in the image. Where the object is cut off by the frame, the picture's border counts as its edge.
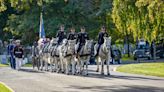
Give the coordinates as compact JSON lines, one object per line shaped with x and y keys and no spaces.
{"x":159,"y":49}
{"x":142,"y":51}
{"x":116,"y":56}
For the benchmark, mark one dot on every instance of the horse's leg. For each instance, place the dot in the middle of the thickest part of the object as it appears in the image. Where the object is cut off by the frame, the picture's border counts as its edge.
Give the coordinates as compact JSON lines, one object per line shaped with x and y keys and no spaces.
{"x":87,"y":66}
{"x":81,"y":66}
{"x":61,"y":60}
{"x":108,"y":72}
{"x":46,"y":64}
{"x":51,"y":65}
{"x":56,"y":65}
{"x":38,"y":64}
{"x":73,"y":66}
{"x":67,"y":66}
{"x":41,"y":64}
{"x":33,"y":62}
{"x":97,"y":61}
{"x":78,"y":65}
{"x":102,"y":67}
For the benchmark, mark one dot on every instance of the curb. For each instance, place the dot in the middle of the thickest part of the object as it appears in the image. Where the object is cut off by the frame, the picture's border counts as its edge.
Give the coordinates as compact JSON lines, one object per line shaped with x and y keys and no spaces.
{"x":114,"y":69}
{"x":7,"y":87}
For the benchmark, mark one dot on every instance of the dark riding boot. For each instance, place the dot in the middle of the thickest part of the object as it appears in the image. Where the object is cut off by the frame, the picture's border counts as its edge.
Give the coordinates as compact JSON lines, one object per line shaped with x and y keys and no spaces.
{"x":98,"y":50}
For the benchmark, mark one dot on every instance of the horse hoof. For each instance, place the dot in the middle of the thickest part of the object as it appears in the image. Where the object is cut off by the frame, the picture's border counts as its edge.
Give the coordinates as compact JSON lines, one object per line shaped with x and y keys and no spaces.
{"x":97,"y":70}
{"x":108,"y":74}
{"x":87,"y":74}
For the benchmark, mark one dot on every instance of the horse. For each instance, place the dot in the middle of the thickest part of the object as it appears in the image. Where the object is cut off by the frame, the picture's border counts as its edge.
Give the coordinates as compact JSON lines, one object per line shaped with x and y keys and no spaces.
{"x":35,"y":57}
{"x":68,"y":55}
{"x":84,"y":56}
{"x":104,"y":54}
{"x":53,"y":44}
{"x":57,"y":54}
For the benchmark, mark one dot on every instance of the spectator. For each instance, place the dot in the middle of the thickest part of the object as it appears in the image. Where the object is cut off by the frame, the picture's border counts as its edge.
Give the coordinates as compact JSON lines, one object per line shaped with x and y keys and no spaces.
{"x":18,"y":53}
{"x":10,"y":49}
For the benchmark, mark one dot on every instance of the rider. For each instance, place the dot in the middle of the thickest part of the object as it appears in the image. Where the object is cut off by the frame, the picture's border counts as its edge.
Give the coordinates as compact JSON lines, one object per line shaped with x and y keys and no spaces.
{"x":81,"y":39}
{"x":61,"y":34}
{"x":72,"y":35}
{"x":103,"y":33}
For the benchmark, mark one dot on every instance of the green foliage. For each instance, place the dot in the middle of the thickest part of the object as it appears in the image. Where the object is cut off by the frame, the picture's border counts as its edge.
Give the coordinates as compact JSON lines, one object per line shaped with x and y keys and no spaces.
{"x":143,"y":18}
{"x":130,"y":19}
{"x":3,"y":65}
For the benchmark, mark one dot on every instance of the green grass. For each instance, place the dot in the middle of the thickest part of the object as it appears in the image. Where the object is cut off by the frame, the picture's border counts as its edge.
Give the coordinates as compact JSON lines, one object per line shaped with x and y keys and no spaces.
{"x":126,"y":58}
{"x":3,"y":65}
{"x":154,"y":69}
{"x":4,"y":88}
{"x":28,"y":65}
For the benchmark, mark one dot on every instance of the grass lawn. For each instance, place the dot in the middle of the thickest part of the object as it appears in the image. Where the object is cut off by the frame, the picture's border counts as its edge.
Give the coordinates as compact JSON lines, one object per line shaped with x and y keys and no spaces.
{"x":154,"y":69}
{"x":28,"y":65}
{"x":4,"y":88}
{"x":126,"y":58}
{"x":3,"y":65}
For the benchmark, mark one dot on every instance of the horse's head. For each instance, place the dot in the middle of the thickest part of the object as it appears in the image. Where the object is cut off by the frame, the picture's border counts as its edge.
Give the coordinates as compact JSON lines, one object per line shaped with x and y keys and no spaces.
{"x":71,"y":45}
{"x":64,"y":42}
{"x":88,"y":45}
{"x":107,"y":43}
{"x":53,"y":41}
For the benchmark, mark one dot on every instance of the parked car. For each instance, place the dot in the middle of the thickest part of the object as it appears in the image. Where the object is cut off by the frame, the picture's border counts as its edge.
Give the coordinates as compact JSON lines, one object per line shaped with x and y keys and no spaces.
{"x":142,"y":50}
{"x":160,"y":48}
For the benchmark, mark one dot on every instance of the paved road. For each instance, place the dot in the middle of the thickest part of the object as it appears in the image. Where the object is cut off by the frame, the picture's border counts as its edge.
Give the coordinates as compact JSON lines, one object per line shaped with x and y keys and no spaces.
{"x":28,"y":80}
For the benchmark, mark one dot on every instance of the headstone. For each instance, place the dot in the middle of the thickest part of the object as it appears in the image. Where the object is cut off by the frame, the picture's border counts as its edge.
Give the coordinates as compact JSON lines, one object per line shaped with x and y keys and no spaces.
{"x":3,"y":59}
{"x":25,"y":61}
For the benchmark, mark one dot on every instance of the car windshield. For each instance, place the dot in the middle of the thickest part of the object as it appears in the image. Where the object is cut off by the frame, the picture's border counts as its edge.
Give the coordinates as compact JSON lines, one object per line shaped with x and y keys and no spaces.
{"x":142,"y":47}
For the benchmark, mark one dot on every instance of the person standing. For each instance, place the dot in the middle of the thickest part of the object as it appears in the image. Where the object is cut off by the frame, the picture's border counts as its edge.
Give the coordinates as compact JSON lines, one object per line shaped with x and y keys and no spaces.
{"x":19,"y":54}
{"x":61,"y":34}
{"x":35,"y":54}
{"x":101,"y":36}
{"x":10,"y":49}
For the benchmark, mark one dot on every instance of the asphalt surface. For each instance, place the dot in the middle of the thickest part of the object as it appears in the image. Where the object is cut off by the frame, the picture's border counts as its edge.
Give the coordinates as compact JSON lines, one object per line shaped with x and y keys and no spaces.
{"x":28,"y":80}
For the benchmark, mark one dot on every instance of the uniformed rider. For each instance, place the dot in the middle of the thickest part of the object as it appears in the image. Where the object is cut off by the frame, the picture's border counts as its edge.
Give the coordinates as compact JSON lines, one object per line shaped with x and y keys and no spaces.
{"x":103,"y":33}
{"x":72,"y":35}
{"x":81,"y":38}
{"x":61,"y":34}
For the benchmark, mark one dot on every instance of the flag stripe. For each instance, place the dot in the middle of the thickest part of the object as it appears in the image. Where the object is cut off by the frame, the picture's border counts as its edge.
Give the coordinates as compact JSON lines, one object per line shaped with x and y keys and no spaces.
{"x":41,"y":32}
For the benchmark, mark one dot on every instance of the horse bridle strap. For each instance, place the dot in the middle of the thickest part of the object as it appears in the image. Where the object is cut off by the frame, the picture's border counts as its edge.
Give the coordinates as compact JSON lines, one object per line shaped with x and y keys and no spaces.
{"x":85,"y":55}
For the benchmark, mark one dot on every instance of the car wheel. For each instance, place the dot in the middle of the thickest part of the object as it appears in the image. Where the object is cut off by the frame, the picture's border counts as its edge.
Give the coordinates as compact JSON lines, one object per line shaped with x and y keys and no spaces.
{"x":149,"y":58}
{"x":162,"y":56}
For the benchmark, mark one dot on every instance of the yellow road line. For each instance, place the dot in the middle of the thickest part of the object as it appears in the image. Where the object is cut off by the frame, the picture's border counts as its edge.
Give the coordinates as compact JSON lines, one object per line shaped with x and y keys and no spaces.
{"x":7,"y":87}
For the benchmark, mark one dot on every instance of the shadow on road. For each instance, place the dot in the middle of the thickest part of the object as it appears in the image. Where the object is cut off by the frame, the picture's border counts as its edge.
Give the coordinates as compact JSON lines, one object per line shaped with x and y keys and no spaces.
{"x":119,"y":88}
{"x":126,"y":77}
{"x":31,"y":71}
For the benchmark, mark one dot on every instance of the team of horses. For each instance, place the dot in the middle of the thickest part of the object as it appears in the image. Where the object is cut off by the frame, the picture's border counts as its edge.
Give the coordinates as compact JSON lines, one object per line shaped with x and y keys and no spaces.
{"x":64,"y":57}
